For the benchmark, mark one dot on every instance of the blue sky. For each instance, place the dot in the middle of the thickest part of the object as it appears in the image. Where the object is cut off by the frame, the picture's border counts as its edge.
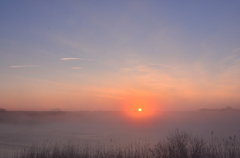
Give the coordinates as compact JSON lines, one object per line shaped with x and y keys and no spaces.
{"x":93,"y":54}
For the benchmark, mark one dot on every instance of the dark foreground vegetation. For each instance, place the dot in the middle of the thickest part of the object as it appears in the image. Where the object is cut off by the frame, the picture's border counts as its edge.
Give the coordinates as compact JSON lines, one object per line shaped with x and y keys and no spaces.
{"x":177,"y":145}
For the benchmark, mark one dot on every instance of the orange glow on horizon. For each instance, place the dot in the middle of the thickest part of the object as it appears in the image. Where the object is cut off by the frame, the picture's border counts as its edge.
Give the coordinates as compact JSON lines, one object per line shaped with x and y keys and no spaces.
{"x":148,"y":107}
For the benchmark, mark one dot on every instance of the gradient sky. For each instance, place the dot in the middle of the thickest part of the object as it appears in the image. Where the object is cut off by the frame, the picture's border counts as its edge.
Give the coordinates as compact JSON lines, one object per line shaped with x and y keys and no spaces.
{"x":115,"y":55}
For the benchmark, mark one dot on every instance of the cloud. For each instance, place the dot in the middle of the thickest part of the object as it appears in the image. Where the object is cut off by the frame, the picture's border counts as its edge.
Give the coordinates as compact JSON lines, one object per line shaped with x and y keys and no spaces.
{"x":153,"y":64}
{"x":70,"y":59}
{"x":76,"y":68}
{"x":138,"y":68}
{"x":21,"y":66}
{"x":76,"y":59}
{"x":237,"y":50}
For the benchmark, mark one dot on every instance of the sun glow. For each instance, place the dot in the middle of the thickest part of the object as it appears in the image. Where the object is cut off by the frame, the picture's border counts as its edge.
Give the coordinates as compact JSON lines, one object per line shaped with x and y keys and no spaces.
{"x":140,"y":107}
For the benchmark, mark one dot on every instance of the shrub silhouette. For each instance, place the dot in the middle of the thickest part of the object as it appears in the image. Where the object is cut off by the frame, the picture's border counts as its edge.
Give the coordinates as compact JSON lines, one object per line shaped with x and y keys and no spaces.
{"x":177,"y":145}
{"x":180,"y":145}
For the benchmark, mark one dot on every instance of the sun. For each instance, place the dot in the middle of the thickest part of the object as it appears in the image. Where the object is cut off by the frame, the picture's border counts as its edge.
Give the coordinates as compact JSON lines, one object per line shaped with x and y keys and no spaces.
{"x":139,"y":109}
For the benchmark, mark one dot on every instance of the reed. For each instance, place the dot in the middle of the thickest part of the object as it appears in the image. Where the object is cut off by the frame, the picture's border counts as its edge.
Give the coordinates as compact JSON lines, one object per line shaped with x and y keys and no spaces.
{"x":177,"y":145}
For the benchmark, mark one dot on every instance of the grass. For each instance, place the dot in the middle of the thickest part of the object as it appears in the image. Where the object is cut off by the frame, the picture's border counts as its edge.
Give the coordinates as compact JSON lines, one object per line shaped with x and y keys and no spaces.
{"x":177,"y":145}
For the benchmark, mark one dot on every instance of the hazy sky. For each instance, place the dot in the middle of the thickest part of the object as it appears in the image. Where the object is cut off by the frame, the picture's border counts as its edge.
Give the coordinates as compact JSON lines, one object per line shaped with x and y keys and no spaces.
{"x":115,"y":55}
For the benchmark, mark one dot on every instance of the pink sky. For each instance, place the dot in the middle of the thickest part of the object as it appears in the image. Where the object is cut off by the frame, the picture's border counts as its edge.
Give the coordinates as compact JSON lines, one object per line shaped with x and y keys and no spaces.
{"x":98,"y":56}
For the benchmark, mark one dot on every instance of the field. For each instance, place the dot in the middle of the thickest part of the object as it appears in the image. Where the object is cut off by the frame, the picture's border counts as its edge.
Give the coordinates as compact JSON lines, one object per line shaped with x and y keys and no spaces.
{"x":114,"y":133}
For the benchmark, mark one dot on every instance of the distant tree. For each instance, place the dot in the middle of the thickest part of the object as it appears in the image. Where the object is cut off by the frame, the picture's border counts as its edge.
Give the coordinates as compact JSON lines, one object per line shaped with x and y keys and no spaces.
{"x":229,"y":108}
{"x":56,"y":110}
{"x":2,"y":110}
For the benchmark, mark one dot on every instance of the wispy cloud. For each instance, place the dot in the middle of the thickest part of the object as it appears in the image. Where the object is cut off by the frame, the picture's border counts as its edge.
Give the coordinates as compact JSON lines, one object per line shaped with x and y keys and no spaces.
{"x":237,"y":50}
{"x":76,"y":68}
{"x":162,"y":65}
{"x":21,"y":66}
{"x":125,"y":69}
{"x":138,"y":68}
{"x":76,"y":59}
{"x":70,"y":59}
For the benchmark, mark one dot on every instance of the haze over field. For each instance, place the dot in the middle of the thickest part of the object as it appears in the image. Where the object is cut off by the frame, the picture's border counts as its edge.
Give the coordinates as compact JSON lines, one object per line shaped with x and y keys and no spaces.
{"x":20,"y":130}
{"x":113,"y":55}
{"x":118,"y":71}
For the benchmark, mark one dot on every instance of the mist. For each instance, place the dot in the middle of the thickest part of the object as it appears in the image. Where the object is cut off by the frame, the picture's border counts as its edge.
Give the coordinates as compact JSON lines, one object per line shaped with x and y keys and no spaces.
{"x":20,"y":130}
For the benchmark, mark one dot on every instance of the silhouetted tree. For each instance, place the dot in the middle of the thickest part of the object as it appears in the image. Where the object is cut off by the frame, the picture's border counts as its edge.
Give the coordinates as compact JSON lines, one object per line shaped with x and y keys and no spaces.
{"x":2,"y":110}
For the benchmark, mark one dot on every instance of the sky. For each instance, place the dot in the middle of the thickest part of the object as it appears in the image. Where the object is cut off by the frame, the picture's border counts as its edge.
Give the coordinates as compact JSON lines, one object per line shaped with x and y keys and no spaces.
{"x":119,"y":55}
